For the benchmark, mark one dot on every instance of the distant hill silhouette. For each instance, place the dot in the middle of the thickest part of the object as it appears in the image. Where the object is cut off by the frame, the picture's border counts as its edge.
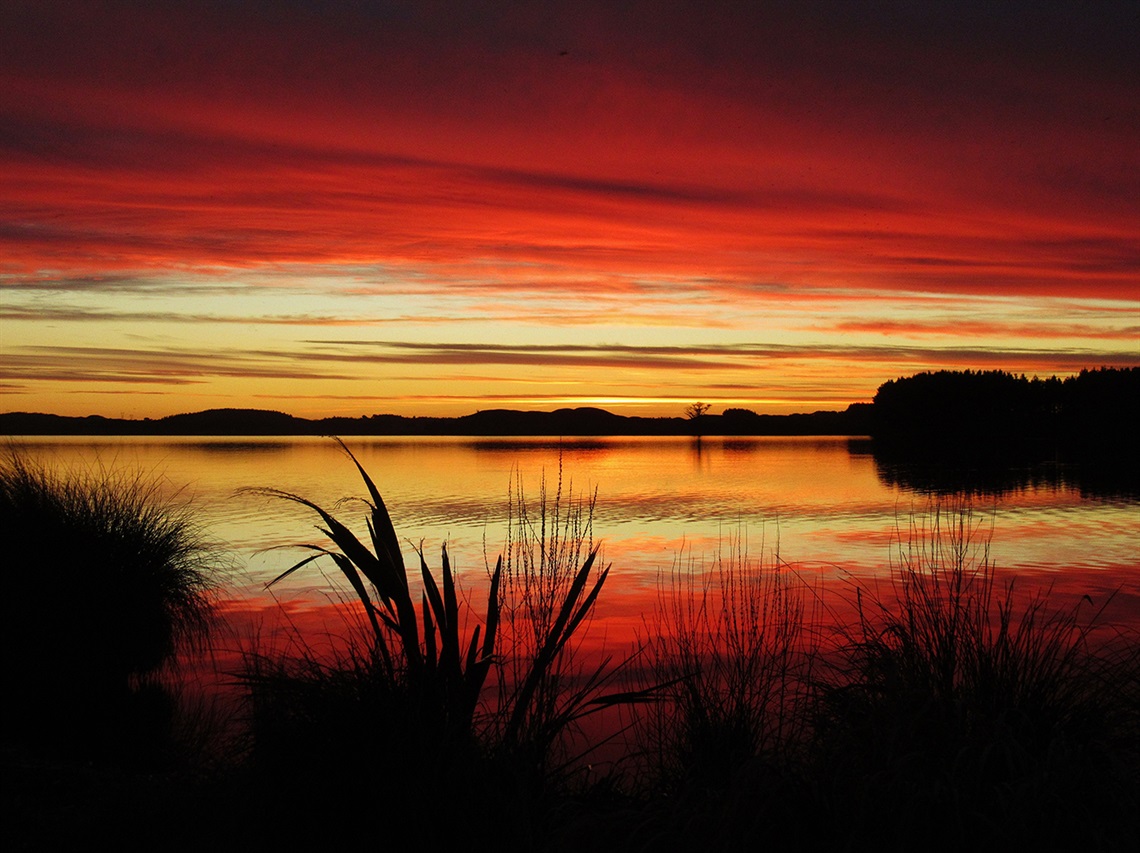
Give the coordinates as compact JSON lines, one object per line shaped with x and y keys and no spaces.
{"x":986,"y":417}
{"x":583,"y":421}
{"x":223,"y":421}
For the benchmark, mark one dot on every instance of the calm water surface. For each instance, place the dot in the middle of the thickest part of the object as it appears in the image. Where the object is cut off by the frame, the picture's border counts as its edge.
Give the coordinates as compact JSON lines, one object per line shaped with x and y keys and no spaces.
{"x":818,"y":503}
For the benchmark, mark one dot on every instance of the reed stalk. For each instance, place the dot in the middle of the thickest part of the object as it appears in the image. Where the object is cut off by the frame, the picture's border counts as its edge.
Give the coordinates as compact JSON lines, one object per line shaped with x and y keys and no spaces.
{"x":538,"y":598}
{"x":550,"y":586}
{"x":731,"y":661}
{"x":965,"y":703}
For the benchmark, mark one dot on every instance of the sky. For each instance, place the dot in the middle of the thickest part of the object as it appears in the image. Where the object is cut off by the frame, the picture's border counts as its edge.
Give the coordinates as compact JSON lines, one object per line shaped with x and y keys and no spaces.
{"x":358,"y":207}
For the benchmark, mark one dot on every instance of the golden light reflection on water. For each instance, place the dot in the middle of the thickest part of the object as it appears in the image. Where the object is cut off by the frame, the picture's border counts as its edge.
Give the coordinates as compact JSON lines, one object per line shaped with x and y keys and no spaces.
{"x":811,"y":504}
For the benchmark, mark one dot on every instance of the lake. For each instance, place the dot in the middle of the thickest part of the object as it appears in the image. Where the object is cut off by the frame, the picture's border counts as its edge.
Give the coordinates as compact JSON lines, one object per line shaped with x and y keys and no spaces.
{"x":822,"y":506}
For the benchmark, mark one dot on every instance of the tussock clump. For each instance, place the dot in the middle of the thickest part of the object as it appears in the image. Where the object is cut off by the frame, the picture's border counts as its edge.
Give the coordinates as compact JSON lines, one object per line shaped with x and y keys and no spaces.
{"x":730,"y":657}
{"x":106,"y":579}
{"x":960,"y":704}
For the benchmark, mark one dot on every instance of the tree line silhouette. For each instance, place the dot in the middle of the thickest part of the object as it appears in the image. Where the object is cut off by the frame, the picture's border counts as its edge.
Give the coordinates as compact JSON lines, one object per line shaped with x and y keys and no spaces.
{"x":945,"y":413}
{"x":1088,"y":415}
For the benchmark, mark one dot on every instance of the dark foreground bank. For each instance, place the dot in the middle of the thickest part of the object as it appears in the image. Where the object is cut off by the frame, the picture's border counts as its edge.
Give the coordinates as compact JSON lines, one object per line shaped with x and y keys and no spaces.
{"x":947,"y":712}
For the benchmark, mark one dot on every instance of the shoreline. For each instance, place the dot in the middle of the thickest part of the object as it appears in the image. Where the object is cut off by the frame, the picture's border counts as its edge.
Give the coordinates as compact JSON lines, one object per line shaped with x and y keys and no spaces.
{"x":505,"y":423}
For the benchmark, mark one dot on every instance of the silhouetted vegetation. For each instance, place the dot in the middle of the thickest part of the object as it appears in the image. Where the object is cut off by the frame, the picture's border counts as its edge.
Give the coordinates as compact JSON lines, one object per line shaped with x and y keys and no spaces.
{"x":950,"y":700}
{"x":952,"y":712}
{"x":957,"y":704}
{"x":985,"y":416}
{"x":697,"y":414}
{"x":404,"y":709}
{"x":106,"y":579}
{"x":992,"y":412}
{"x":730,"y":661}
{"x":582,"y":421}
{"x":992,"y":432}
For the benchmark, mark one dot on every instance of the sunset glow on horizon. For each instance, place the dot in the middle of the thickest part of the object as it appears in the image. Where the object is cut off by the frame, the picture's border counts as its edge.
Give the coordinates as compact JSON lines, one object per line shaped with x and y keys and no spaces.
{"x":430,"y":209}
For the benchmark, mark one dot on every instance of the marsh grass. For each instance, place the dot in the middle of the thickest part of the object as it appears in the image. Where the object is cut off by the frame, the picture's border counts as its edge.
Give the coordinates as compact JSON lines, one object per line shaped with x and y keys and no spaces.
{"x":957,"y":709}
{"x":959,"y":702}
{"x":544,"y":684}
{"x":730,"y":654}
{"x":332,"y":739}
{"x":952,"y":700}
{"x":107,"y":581}
{"x":404,"y":708}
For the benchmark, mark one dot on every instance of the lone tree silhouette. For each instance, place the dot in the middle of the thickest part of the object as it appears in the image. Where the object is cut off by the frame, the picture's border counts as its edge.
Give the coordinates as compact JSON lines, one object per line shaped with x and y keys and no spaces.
{"x":696,"y":414}
{"x":697,"y":410}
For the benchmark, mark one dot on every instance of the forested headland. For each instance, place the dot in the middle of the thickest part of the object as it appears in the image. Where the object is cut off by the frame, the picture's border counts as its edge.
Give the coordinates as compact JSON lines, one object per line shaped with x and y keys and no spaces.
{"x":1086,"y":414}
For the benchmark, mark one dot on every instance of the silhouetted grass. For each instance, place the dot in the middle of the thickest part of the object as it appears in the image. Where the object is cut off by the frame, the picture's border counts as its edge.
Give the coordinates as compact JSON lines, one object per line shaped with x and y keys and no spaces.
{"x":729,"y":655}
{"x":956,"y":711}
{"x":731,"y":660}
{"x":106,"y":580}
{"x":403,"y":708}
{"x":953,"y":702}
{"x":958,"y":704}
{"x":543,"y":686}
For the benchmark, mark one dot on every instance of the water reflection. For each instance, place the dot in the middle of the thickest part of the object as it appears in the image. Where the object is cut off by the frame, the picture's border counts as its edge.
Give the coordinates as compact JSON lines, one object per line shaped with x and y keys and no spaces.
{"x":982,"y":476}
{"x":829,"y":506}
{"x":517,"y":445}
{"x":239,"y":446}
